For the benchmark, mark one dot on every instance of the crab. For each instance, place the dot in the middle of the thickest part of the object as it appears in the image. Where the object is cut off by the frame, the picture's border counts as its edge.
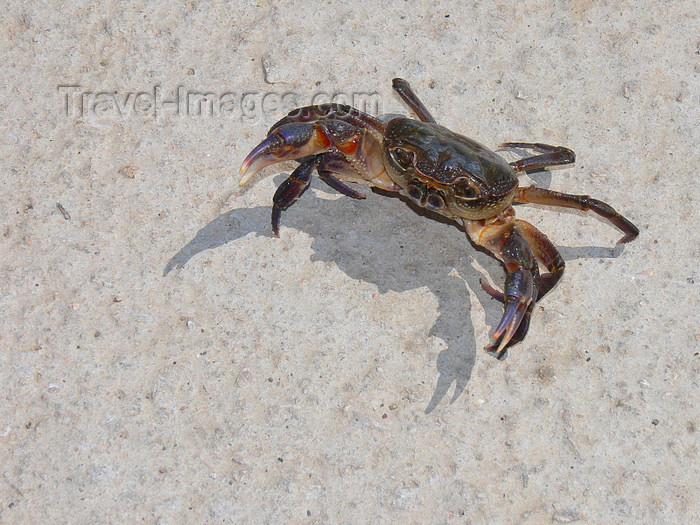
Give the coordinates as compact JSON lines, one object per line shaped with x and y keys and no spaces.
{"x":443,"y":172}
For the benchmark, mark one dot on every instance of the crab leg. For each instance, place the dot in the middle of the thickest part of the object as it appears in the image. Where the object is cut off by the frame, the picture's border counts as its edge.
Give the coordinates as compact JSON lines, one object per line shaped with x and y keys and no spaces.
{"x":290,"y":191}
{"x":504,"y":239}
{"x":551,"y":156}
{"x":297,"y":183}
{"x":535,"y":195}
{"x":546,"y":254}
{"x":411,"y":99}
{"x":332,"y":163}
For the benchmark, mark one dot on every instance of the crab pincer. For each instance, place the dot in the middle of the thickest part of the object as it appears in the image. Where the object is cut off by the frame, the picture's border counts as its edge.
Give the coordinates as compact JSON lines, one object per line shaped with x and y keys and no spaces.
{"x":339,"y":142}
{"x":504,"y":238}
{"x":286,"y":142}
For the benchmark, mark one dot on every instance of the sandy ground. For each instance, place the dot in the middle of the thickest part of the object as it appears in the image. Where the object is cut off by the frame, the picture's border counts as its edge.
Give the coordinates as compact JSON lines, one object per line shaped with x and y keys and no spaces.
{"x":165,"y":359}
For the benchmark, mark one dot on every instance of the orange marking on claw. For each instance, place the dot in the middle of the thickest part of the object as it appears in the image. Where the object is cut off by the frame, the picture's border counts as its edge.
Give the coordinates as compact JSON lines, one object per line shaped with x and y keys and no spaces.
{"x":322,"y":137}
{"x":349,"y":148}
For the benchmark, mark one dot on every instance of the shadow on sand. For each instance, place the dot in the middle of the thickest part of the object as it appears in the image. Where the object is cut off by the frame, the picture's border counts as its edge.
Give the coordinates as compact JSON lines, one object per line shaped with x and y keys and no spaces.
{"x":379,"y":241}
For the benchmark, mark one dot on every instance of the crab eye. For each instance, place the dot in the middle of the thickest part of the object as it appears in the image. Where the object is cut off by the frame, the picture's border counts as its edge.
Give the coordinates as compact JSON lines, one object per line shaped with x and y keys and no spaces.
{"x":403,"y":158}
{"x":465,"y":191}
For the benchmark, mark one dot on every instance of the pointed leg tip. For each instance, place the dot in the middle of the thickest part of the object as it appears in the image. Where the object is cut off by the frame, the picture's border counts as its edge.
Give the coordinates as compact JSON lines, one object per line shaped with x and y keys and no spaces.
{"x":495,"y":294}
{"x":275,"y":220}
{"x":627,"y":238}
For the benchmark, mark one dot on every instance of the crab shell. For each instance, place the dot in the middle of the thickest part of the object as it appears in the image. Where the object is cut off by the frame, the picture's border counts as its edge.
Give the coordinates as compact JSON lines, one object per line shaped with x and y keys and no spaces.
{"x":447,"y":172}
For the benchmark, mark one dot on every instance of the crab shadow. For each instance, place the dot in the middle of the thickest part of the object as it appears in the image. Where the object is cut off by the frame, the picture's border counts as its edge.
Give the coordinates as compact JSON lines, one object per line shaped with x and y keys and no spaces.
{"x":381,"y":242}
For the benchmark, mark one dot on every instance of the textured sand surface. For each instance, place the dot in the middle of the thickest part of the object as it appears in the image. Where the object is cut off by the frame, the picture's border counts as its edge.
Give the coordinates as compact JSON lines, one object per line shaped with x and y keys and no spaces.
{"x":165,"y":359}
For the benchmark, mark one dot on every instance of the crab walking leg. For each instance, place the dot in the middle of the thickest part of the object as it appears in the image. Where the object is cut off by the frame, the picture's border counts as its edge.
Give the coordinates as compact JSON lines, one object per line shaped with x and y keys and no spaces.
{"x":297,"y":183}
{"x":333,"y":163}
{"x":411,"y":99}
{"x":504,"y":239}
{"x":535,"y":195}
{"x":290,"y":191}
{"x":546,"y":253}
{"x":551,"y":156}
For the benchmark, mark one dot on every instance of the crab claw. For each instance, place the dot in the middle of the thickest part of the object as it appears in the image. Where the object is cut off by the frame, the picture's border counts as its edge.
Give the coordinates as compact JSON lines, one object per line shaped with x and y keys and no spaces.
{"x":505,"y":238}
{"x":263,"y":155}
{"x":287,"y":142}
{"x":520,"y":293}
{"x":294,"y":140}
{"x":511,"y":321}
